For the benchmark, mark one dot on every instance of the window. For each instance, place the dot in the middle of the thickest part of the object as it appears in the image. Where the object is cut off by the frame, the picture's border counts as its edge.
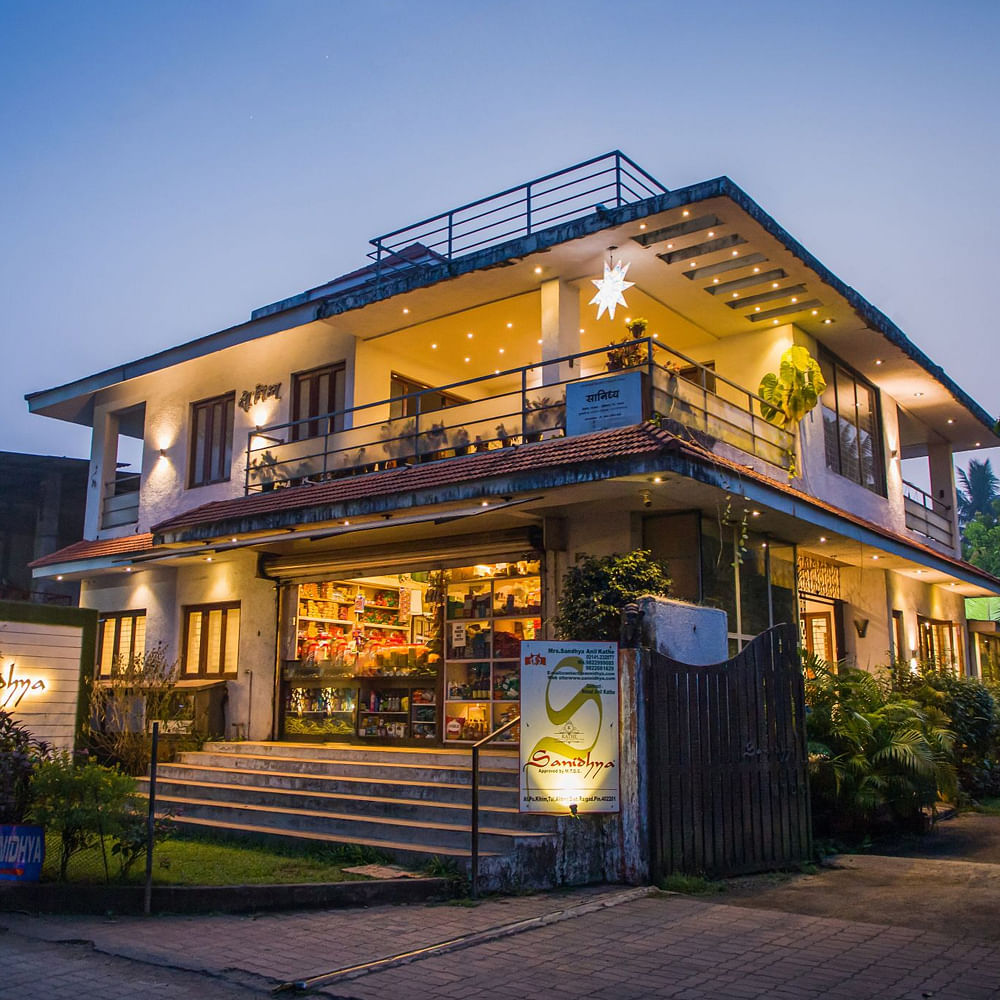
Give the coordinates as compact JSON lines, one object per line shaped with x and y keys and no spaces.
{"x":212,"y":439}
{"x":315,"y":394}
{"x":120,"y":637}
{"x":939,"y":644}
{"x":851,"y":426}
{"x":211,"y":640}
{"x":400,"y":386}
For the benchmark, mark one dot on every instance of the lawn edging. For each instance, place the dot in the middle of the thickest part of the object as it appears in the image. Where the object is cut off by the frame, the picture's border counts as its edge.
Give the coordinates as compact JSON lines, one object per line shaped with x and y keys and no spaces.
{"x":62,"y":897}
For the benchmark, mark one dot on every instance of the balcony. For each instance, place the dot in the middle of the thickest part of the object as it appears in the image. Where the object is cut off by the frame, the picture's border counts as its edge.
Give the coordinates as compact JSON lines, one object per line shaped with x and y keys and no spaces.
{"x":120,"y":503}
{"x":927,"y":516}
{"x":510,"y":408}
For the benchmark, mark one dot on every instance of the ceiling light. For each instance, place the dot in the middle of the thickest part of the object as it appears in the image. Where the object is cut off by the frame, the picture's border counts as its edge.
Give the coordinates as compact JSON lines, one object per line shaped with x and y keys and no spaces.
{"x":469,"y":335}
{"x":208,"y":558}
{"x":485,"y":503}
{"x":815,"y":312}
{"x":827,"y":321}
{"x":977,"y":444}
{"x":496,"y":371}
{"x":234,"y":539}
{"x":736,"y":253}
{"x":685,"y":213}
{"x":501,"y":350}
{"x":822,"y":538}
{"x":736,"y":295}
{"x":128,"y":569}
{"x":467,"y":360}
{"x":920,"y":571}
{"x":642,"y":225}
{"x":756,"y":270}
{"x":434,"y":347}
{"x":59,"y":577}
{"x":794,"y":299}
{"x":774,"y":284}
{"x":346,"y":523}
{"x":656,"y":336}
{"x":876,"y":557}
{"x":657,"y":479}
{"x":692,"y":264}
{"x":670,"y":246}
{"x":406,"y":312}
{"x":950,"y":420}
{"x":774,"y":322}
{"x":539,"y":340}
{"x":510,"y":326}
{"x":878,"y":361}
{"x":538,"y":270}
{"x":710,"y":233}
{"x":755,"y":513}
{"x":917,"y":395}
{"x":582,"y":330}
{"x":715,"y":281}
{"x":763,"y":545}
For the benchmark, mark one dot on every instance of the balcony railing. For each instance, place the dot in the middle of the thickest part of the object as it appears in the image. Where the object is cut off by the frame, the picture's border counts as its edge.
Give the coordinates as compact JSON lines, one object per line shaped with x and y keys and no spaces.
{"x":928,"y":516}
{"x":513,"y":407}
{"x":120,"y":504}
{"x":607,"y":181}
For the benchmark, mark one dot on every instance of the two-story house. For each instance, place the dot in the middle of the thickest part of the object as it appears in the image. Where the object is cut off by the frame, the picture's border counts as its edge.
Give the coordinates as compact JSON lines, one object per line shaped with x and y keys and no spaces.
{"x":354,"y":506}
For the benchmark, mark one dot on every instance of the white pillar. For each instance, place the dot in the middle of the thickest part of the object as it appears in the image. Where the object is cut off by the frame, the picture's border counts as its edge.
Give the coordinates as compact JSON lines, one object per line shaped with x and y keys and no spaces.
{"x":942,"y":471}
{"x":560,"y":328}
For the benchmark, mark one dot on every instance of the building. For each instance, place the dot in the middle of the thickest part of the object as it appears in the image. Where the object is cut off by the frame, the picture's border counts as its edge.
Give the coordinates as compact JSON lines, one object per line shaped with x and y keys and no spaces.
{"x":354,"y":506}
{"x":42,"y":500}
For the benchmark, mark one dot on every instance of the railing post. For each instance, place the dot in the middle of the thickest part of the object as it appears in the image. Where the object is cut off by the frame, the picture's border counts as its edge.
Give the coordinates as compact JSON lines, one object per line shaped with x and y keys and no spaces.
{"x":475,"y":823}
{"x":246,"y":474}
{"x":524,"y":405}
{"x":147,"y":899}
{"x":451,"y":233}
{"x":527,"y":209}
{"x":618,"y":180}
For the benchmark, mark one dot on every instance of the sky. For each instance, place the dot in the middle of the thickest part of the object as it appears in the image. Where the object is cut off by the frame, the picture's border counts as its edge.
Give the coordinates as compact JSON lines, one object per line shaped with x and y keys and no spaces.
{"x":167,"y":167}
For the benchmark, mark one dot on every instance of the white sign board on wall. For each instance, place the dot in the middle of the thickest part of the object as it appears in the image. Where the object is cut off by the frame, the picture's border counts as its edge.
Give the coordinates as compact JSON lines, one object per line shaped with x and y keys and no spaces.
{"x":40,"y":678}
{"x":569,"y":727}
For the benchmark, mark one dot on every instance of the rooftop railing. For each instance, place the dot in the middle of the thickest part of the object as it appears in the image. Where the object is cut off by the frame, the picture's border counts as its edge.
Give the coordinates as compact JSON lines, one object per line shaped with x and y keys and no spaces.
{"x":509,"y":408}
{"x":607,"y":181}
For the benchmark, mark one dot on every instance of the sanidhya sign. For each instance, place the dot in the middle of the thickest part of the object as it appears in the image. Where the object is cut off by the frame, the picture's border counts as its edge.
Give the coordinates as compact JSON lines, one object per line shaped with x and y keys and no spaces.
{"x":603,"y":403}
{"x":569,"y":727}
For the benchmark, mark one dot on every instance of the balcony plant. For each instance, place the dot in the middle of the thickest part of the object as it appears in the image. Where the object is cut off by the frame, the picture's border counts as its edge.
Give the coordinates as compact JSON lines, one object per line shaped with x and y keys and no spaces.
{"x":397,"y":439}
{"x":627,"y":352}
{"x":431,"y":442}
{"x":786,"y":397}
{"x":263,"y":470}
{"x":459,"y":440}
{"x":543,"y":414}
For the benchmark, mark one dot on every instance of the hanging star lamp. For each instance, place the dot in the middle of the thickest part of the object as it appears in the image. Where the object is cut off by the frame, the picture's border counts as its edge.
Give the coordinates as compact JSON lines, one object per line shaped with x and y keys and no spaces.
{"x":610,"y":288}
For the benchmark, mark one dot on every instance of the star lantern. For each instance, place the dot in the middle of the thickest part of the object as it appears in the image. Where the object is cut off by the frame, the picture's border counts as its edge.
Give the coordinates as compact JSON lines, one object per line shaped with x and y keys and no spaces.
{"x":609,"y":289}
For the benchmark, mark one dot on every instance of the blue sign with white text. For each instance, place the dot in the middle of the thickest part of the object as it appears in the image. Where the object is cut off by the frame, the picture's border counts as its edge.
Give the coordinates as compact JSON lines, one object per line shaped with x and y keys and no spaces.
{"x":22,"y":851}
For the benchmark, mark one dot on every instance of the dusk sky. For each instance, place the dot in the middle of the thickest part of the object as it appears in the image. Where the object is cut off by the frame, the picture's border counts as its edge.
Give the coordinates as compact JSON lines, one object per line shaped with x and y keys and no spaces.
{"x":165,"y":168}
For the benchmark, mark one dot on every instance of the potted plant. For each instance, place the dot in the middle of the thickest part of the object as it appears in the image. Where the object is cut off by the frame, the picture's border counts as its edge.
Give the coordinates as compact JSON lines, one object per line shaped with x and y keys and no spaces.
{"x":460,"y":441}
{"x":263,"y":470}
{"x":627,"y":352}
{"x":786,"y":397}
{"x":397,"y":439}
{"x":542,"y":415}
{"x":505,"y":437}
{"x":431,"y":442}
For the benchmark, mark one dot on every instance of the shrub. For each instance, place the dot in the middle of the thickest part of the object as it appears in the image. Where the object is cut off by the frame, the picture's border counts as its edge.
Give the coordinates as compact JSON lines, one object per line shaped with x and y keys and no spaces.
{"x":20,"y":754}
{"x":877,"y":760}
{"x":86,"y":804}
{"x":597,"y":588}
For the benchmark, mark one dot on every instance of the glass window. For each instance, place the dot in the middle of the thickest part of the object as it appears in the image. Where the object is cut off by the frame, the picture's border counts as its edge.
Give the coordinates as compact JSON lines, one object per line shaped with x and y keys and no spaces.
{"x":120,"y":637}
{"x":851,"y":427}
{"x":211,"y":639}
{"x":212,"y":439}
{"x":939,"y":644}
{"x":316,"y":394}
{"x":405,"y":405}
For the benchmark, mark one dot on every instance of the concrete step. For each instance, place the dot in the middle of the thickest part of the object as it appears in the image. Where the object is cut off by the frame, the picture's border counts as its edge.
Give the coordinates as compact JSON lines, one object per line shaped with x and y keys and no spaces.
{"x":340,"y":827}
{"x":438,"y":791}
{"x":416,"y":811}
{"x":460,"y":757}
{"x":346,"y":765}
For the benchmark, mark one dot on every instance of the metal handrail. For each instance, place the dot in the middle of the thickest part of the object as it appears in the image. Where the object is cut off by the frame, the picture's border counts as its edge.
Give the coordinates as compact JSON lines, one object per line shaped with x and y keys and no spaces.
{"x":616,"y":179}
{"x":476,"y":747}
{"x":926,"y":499}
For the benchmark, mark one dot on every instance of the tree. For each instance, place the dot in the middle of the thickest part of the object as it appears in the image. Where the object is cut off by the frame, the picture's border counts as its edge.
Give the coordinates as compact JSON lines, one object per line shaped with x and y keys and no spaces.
{"x":981,"y":539}
{"x":978,"y":488}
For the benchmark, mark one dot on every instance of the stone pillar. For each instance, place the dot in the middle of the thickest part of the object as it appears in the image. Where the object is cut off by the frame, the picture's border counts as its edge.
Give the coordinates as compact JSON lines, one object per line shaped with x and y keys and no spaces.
{"x":941,"y":462}
{"x":560,"y":326}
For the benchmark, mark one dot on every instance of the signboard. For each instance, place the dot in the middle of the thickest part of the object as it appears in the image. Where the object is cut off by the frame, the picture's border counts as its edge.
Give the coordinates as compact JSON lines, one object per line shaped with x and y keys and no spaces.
{"x":601,"y":403}
{"x":22,"y":851}
{"x":569,"y":727}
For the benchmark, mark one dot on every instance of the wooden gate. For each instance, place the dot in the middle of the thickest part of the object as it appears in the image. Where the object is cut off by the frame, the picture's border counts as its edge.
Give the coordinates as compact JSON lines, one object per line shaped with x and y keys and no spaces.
{"x":728,"y":786}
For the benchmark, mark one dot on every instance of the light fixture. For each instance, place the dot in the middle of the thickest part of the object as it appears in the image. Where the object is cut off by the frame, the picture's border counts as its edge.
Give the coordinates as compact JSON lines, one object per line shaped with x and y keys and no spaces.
{"x":485,"y":503}
{"x":794,"y":299}
{"x":692,"y":264}
{"x":406,"y":312}
{"x":736,"y":295}
{"x":685,"y":213}
{"x":950,"y":420}
{"x":878,"y":361}
{"x":510,"y":326}
{"x":715,"y":281}
{"x":128,"y":569}
{"x":822,"y":538}
{"x":756,"y":309}
{"x":756,"y":270}
{"x":642,"y":225}
{"x":657,"y":479}
{"x":711,"y":232}
{"x":434,"y":347}
{"x":538,"y":270}
{"x":670,"y":246}
{"x":917,"y":395}
{"x":736,"y":253}
{"x":827,"y":321}
{"x":346,"y":523}
{"x":656,"y":336}
{"x":501,"y":350}
{"x":774,"y":284}
{"x":755,"y":513}
{"x":876,"y":557}
{"x":815,"y":312}
{"x":208,"y":558}
{"x":163,"y":453}
{"x":467,"y":360}
{"x":919,"y":571}
{"x":582,"y":330}
{"x":469,"y":335}
{"x":234,"y":539}
{"x":59,"y":577}
{"x":775,"y":322}
{"x":539,"y":340}
{"x":977,"y":444}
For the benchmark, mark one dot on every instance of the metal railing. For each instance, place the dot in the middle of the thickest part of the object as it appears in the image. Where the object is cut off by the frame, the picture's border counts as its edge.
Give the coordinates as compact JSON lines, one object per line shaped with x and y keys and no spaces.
{"x":927,"y":515}
{"x":120,"y":503}
{"x":508,"y":408}
{"x":474,"y":831}
{"x":607,"y":181}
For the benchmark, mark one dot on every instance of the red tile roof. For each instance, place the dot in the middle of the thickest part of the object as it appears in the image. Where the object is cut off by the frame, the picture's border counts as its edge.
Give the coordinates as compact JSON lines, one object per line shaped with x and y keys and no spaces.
{"x":127,"y":545}
{"x":602,"y":446}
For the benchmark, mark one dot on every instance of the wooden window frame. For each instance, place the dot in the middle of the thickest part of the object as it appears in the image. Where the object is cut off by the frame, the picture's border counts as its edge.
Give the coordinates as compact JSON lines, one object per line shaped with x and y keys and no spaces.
{"x":412,"y":385}
{"x":212,"y":461}
{"x":115,"y":619}
{"x":188,"y":612}
{"x":842,"y":413}
{"x":313,"y":413}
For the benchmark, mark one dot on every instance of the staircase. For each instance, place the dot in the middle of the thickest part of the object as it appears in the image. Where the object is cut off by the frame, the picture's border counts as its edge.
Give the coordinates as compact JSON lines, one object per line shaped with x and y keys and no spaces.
{"x":413,"y":804}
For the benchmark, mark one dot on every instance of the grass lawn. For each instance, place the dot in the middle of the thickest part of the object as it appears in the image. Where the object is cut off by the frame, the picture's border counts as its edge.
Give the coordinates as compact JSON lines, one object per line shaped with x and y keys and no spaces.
{"x":189,"y":861}
{"x":991,"y":806}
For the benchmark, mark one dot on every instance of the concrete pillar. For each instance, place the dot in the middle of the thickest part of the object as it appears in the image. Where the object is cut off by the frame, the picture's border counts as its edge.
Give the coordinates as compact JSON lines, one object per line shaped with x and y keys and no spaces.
{"x":941,"y":462}
{"x":560,"y":324}
{"x":103,"y":459}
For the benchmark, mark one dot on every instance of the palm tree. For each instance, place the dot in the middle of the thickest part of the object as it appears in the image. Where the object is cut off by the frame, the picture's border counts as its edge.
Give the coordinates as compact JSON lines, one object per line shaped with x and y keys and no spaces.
{"x":977,"y":489}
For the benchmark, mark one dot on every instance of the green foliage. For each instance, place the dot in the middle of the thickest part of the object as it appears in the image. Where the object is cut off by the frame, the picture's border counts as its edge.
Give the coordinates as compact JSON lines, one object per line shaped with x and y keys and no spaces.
{"x":691,"y":885}
{"x":978,"y":489}
{"x":877,"y":759}
{"x":20,"y":754}
{"x":791,"y":393}
{"x":84,"y":803}
{"x":981,"y":539}
{"x":597,"y":588}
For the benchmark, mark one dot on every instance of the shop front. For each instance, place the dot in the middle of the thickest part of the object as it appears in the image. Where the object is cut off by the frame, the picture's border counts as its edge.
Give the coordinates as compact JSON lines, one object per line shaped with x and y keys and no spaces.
{"x":425,"y":654}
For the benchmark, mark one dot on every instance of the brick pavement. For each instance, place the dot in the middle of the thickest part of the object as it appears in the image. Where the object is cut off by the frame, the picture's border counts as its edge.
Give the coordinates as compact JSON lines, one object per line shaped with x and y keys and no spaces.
{"x":666,"y":946}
